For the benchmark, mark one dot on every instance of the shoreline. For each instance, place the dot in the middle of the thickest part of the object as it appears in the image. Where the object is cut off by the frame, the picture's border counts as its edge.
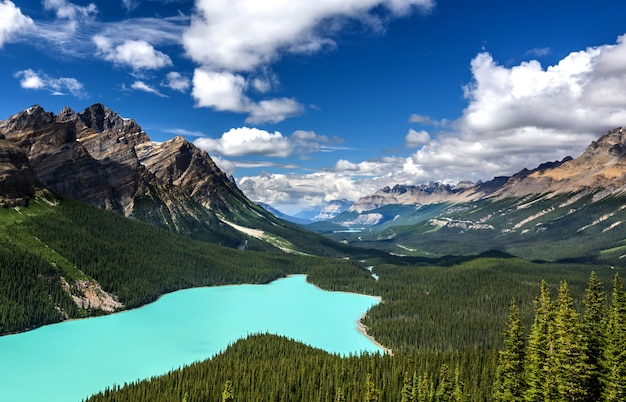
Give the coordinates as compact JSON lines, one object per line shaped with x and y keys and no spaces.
{"x":362,"y":328}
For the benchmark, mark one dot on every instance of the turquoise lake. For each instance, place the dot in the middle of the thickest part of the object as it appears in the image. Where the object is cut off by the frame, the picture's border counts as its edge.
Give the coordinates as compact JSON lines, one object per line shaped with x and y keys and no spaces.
{"x":72,"y":360}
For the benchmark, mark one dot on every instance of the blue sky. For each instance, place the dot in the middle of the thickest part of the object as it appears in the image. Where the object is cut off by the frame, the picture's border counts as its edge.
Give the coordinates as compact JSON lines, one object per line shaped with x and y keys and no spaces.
{"x":305,"y":102}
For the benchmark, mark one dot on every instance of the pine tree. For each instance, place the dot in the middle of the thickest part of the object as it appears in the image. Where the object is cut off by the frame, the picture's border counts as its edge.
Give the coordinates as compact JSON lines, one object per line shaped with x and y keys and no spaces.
{"x":538,"y":373}
{"x":228,"y":394}
{"x":594,"y":335}
{"x":615,"y":350}
{"x":445,"y":388}
{"x":407,"y":393}
{"x":425,"y":389}
{"x":569,"y":353}
{"x":510,"y":384}
{"x":371,"y":393}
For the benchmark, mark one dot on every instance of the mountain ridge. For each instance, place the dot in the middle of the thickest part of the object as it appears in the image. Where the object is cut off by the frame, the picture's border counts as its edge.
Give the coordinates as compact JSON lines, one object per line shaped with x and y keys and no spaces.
{"x":102,"y":159}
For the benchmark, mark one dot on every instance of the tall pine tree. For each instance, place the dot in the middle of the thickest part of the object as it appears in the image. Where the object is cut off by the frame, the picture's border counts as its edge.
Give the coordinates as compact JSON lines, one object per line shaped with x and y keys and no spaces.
{"x":510,"y":384}
{"x":594,"y":328}
{"x":615,"y":350}
{"x":539,"y":374}
{"x":569,"y":352}
{"x":407,"y":394}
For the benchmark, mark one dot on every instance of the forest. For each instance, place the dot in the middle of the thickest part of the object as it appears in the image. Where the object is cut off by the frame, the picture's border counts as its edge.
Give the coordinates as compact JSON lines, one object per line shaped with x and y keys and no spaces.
{"x":567,"y":356}
{"x":442,"y":317}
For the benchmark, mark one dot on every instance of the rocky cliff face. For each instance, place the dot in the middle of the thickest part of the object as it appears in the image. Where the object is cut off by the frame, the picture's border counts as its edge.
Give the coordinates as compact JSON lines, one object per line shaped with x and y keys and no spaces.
{"x":102,"y":159}
{"x":18,"y":182}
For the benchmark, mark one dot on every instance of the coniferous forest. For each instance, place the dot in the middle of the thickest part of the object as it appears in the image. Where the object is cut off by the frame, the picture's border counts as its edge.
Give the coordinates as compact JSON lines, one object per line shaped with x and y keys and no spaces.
{"x":443,"y":317}
{"x":566,"y":356}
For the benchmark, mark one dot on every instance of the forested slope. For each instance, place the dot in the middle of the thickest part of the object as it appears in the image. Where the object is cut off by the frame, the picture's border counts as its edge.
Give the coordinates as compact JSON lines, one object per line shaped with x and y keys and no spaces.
{"x":52,"y":244}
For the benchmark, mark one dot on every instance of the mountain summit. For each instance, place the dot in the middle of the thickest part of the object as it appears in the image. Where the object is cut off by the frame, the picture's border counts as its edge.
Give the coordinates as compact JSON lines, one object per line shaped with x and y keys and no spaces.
{"x":102,"y":159}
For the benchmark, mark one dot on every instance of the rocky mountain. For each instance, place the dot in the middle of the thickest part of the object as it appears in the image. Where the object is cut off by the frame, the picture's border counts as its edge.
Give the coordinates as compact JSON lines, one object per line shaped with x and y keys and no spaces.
{"x":102,"y":159}
{"x":559,"y":209}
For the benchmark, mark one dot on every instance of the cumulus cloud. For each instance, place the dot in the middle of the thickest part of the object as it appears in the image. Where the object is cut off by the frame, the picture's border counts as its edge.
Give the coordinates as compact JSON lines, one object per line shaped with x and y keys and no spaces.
{"x":257,"y":36}
{"x":30,"y":79}
{"x":177,"y":82}
{"x":253,"y":141}
{"x":247,"y":141}
{"x":225,"y":91}
{"x":137,"y":54}
{"x":526,"y":114}
{"x":12,"y":21}
{"x":219,"y":90}
{"x":292,"y":193}
{"x":273,"y":110}
{"x":415,"y":139}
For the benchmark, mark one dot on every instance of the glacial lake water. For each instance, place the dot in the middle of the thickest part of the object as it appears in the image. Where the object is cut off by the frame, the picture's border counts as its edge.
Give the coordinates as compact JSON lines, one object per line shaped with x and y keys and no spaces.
{"x":72,"y":360}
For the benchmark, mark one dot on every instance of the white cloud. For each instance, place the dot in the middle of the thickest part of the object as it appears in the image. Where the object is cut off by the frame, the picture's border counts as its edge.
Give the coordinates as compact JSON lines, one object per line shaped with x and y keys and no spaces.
{"x":177,"y":82}
{"x":142,"y":86}
{"x":219,"y":90}
{"x":12,"y":21}
{"x":225,"y":91}
{"x":247,"y":141}
{"x":70,"y":11}
{"x":30,"y":79}
{"x":257,"y":33}
{"x":415,"y":139}
{"x":524,"y":115}
{"x":293,"y":193}
{"x":230,"y":38}
{"x":253,"y":141}
{"x":273,"y":110}
{"x":137,"y":54}
{"x":426,"y":120}
{"x":539,"y":51}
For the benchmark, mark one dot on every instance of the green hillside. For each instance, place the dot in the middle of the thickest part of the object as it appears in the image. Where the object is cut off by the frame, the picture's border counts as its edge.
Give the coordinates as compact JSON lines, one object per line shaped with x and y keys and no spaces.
{"x":539,"y":227}
{"x":48,"y":247}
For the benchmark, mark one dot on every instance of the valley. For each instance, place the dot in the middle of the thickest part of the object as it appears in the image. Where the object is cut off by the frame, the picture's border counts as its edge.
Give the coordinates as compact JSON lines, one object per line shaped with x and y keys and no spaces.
{"x":98,"y":219}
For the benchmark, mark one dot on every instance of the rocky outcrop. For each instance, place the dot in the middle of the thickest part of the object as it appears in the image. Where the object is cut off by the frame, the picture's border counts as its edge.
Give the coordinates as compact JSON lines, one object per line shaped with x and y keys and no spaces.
{"x":18,"y":182}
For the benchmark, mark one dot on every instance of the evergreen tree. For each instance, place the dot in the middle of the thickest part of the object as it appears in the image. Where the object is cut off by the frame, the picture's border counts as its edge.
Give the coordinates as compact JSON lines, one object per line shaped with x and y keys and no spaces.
{"x":594,"y":334}
{"x":615,"y":350}
{"x":569,"y":354}
{"x":425,"y":389}
{"x":539,"y":376}
{"x":445,"y":388}
{"x":371,"y":393}
{"x":228,"y":394}
{"x":510,"y":385}
{"x":407,"y":393}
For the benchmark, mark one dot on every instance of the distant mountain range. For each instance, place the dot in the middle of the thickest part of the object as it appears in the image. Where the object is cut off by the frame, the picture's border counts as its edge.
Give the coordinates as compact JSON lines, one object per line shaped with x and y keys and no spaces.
{"x":572,"y":208}
{"x":562,"y":209}
{"x":328,"y":211}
